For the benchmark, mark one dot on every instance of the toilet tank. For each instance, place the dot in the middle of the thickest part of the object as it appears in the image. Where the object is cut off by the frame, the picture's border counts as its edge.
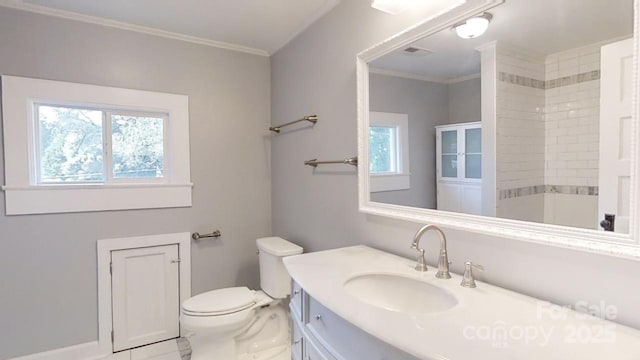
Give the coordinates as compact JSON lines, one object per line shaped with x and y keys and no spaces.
{"x":274,"y":278}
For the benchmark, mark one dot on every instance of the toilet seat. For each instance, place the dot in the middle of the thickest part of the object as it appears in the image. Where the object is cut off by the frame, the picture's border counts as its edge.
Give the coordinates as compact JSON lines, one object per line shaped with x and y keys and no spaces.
{"x":220,"y":302}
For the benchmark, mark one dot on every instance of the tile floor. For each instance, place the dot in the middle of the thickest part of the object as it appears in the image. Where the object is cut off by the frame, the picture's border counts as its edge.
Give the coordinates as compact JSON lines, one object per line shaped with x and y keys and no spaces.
{"x":178,"y":349}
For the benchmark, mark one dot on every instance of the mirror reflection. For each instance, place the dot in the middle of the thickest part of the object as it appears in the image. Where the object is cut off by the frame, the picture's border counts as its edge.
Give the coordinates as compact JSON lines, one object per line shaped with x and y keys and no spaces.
{"x":531,"y":125}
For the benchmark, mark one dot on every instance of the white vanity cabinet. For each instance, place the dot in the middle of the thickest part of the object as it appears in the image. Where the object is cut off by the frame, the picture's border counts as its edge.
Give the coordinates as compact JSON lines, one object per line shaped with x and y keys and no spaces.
{"x":458,"y":168}
{"x":319,"y":334}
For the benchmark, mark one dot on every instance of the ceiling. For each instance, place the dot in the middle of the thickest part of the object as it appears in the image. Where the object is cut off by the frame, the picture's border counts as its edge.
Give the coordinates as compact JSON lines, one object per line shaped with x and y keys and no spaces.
{"x":540,"y":27}
{"x":260,"y":27}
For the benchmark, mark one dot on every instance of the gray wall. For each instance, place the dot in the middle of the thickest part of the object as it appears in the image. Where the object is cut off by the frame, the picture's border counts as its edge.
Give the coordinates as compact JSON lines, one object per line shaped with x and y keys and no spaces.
{"x":464,"y":101}
{"x":427,"y":105}
{"x":48,"y":262}
{"x":316,"y":73}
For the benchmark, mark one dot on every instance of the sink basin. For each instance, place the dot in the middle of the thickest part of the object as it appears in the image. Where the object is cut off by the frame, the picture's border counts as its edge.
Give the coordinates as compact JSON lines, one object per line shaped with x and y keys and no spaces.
{"x":399,"y":293}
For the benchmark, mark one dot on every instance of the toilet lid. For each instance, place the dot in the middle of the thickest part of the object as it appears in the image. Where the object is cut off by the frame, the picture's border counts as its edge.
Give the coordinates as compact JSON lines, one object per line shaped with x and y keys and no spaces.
{"x":221,"y":301}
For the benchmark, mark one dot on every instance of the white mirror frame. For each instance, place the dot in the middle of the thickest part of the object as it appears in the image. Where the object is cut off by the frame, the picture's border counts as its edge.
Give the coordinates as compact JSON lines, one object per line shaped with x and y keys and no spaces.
{"x":607,"y":243}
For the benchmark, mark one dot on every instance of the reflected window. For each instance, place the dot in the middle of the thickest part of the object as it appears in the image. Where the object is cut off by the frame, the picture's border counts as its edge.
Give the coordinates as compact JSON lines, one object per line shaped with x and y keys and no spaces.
{"x":383,"y":149}
{"x":389,"y":151}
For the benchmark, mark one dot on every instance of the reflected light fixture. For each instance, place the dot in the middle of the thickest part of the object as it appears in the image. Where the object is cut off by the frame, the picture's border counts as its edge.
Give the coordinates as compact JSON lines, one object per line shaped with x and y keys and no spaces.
{"x":393,"y":7}
{"x":473,"y":27}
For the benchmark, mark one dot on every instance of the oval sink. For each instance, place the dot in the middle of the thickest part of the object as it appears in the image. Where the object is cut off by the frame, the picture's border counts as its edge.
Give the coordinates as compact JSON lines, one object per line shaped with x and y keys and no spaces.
{"x":399,"y":293}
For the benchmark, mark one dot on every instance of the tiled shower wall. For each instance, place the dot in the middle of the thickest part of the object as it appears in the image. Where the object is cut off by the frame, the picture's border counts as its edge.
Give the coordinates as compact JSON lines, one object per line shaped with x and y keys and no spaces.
{"x":553,"y":105}
{"x":572,"y":113}
{"x":520,"y":140}
{"x":572,"y":117}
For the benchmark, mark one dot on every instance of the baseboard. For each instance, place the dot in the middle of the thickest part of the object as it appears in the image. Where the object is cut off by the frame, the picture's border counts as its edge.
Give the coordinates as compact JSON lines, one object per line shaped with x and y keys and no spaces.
{"x":91,"y":351}
{"x":86,"y":351}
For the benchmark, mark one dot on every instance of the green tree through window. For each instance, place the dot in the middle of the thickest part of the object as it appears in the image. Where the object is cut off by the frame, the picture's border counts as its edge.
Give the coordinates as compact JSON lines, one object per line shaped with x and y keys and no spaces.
{"x":382,"y":149}
{"x":72,"y":145}
{"x":137,"y":146}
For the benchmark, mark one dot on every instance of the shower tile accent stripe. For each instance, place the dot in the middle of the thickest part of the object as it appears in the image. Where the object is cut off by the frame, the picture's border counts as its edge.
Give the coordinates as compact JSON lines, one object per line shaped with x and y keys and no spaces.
{"x":521,"y":80}
{"x":522,"y":191}
{"x":573,"y":79}
{"x":547,"y":189}
{"x":549,"y":84}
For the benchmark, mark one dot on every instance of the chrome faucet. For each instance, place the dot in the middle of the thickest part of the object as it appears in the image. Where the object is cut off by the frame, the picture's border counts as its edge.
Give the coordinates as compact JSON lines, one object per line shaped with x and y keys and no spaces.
{"x":443,"y":260}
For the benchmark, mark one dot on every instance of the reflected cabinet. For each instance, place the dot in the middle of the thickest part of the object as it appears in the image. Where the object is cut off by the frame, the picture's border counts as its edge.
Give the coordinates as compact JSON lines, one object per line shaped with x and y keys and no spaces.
{"x":459,"y":167}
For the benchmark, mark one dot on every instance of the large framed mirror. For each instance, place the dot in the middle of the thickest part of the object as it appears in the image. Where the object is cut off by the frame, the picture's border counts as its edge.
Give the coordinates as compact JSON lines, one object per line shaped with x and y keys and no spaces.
{"x":511,"y":118}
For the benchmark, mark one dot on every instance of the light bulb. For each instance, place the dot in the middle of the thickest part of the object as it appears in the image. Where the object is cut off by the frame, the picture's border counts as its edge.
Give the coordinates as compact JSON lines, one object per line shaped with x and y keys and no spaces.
{"x":473,"y":27}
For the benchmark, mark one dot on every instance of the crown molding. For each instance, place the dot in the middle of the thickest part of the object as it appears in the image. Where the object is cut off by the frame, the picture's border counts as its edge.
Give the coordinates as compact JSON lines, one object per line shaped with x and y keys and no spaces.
{"x":412,"y":76}
{"x":43,"y":10}
{"x":406,"y":75}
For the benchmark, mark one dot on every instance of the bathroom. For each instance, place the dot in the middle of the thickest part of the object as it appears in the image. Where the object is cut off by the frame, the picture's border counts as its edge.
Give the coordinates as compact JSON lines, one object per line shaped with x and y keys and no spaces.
{"x":247,"y":181}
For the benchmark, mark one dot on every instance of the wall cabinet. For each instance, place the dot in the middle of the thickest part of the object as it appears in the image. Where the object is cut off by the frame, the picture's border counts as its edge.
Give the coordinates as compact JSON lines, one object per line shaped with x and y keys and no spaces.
{"x":459,"y":167}
{"x":319,"y":334}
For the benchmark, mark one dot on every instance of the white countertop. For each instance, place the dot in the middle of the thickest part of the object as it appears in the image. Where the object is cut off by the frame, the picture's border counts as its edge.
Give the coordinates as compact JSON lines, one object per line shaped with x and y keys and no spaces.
{"x":488,"y":322}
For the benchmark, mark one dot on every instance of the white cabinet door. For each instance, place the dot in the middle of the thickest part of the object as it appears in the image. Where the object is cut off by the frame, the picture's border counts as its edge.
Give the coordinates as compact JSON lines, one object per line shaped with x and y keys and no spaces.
{"x":449,"y":196}
{"x":145,"y":295}
{"x":472,"y":154}
{"x":448,"y":154}
{"x":471,"y":199}
{"x":615,"y":132}
{"x":459,"y":152}
{"x":460,"y":197}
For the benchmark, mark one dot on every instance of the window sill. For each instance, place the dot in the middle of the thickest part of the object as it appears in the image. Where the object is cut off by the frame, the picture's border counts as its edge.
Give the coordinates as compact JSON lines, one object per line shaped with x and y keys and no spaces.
{"x":51,"y":199}
{"x":390,"y":182}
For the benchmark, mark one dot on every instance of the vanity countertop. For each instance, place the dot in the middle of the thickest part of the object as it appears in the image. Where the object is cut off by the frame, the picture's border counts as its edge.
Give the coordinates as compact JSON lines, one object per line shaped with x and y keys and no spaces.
{"x":488,"y":322}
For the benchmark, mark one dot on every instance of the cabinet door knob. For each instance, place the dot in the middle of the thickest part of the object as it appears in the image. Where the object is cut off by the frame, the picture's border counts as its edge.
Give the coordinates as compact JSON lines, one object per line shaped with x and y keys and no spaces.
{"x":318,"y":317}
{"x":296,"y":292}
{"x":296,"y":342}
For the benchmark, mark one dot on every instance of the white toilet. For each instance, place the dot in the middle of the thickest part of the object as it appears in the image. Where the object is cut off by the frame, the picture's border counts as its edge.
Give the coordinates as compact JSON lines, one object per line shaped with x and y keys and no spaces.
{"x":239,"y":323}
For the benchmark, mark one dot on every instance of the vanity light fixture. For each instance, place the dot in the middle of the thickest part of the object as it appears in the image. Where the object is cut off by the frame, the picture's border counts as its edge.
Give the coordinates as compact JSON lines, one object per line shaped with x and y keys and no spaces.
{"x":393,"y":7}
{"x":473,"y":27}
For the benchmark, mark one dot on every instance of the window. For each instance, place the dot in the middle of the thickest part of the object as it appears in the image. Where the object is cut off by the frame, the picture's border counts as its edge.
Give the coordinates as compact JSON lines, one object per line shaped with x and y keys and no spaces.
{"x":88,"y":145}
{"x":91,"y":148}
{"x":389,"y":151}
{"x":383,"y":150}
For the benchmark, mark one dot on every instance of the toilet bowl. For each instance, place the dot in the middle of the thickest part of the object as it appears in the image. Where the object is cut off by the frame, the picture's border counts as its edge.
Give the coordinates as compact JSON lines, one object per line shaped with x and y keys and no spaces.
{"x":236,"y":323}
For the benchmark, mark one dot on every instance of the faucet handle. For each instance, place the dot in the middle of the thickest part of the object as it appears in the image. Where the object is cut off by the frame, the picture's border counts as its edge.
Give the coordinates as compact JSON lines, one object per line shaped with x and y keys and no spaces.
{"x":467,"y":279}
{"x":422,"y":263}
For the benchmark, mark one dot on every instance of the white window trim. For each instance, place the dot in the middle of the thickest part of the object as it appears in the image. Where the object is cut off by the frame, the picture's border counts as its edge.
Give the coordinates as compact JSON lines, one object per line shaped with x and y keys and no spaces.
{"x":22,"y":193}
{"x":400,"y":180}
